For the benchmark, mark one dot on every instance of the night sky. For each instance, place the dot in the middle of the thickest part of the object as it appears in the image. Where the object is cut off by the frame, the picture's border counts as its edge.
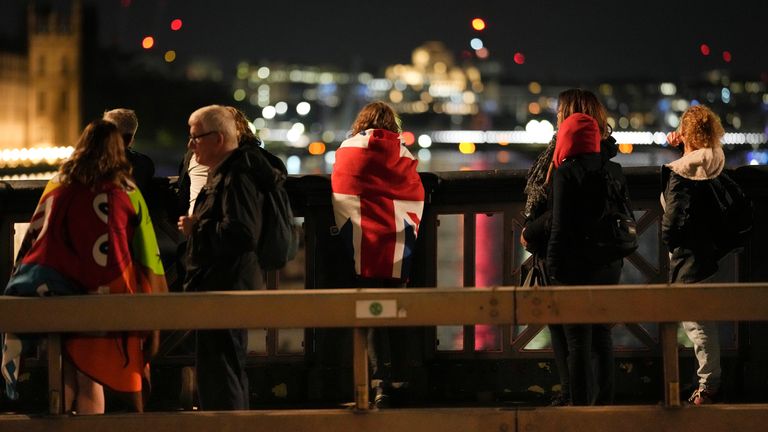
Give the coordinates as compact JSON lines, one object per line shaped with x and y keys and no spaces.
{"x":563,"y":41}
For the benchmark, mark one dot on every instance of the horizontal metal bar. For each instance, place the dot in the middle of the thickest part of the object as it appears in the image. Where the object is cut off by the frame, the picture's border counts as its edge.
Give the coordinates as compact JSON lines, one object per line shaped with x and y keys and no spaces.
{"x":597,"y":419}
{"x":396,"y":307}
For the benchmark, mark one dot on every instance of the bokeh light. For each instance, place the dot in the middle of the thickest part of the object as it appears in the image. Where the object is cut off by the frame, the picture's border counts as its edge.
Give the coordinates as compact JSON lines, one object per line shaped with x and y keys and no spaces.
{"x":476,"y":43}
{"x":316,"y":148}
{"x":303,"y":108}
{"x":176,"y":24}
{"x":519,"y":58}
{"x":482,"y":53}
{"x":704,"y":48}
{"x":478,"y":24}
{"x":170,"y":56}
{"x":467,"y":147}
{"x":409,"y":138}
{"x":425,"y":141}
{"x":727,"y":57}
{"x":148,"y":42}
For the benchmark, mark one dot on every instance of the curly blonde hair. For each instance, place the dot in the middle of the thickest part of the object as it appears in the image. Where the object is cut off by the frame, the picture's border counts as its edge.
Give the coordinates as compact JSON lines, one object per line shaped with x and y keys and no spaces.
{"x":701,"y":128}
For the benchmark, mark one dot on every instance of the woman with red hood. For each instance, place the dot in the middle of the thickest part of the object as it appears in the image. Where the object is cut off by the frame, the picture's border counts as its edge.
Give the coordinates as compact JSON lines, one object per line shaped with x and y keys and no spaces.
{"x":578,"y":199}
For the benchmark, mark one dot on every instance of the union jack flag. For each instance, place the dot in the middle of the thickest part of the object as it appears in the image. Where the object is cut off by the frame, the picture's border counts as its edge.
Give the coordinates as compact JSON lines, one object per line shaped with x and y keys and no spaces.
{"x":378,"y":200}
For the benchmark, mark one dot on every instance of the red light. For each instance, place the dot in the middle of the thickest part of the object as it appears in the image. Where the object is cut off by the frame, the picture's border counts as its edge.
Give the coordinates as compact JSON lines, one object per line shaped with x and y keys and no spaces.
{"x":478,"y":24}
{"x":176,"y":24}
{"x":409,"y":138}
{"x":482,"y":53}
{"x":727,"y":56}
{"x":148,"y":42}
{"x":519,"y":58}
{"x":704,"y":48}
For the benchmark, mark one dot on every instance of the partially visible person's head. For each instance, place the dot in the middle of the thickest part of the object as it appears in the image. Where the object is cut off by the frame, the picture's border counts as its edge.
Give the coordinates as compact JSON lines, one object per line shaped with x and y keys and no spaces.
{"x":212,"y":134}
{"x":376,"y":115}
{"x":242,"y":125}
{"x":583,"y":101}
{"x":99,"y":156}
{"x":126,"y":121}
{"x":701,"y":128}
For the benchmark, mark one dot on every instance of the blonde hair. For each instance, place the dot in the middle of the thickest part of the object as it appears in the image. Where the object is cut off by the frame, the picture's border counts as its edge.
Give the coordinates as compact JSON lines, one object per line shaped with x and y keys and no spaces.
{"x":701,"y":128}
{"x":99,"y":157}
{"x":242,"y":124}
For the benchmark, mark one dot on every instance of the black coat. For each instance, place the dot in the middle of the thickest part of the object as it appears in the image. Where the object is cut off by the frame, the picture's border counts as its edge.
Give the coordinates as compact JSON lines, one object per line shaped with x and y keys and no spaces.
{"x":221,"y":251}
{"x":690,"y":216}
{"x":578,"y":193}
{"x":143,"y":170}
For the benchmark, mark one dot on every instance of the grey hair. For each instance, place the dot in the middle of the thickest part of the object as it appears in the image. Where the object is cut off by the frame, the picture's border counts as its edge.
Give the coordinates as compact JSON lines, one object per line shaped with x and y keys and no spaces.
{"x":218,"y":118}
{"x":125,"y":119}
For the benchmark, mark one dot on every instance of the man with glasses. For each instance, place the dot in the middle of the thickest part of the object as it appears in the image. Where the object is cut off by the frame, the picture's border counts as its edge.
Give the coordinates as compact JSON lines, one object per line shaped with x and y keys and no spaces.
{"x":223,"y":231}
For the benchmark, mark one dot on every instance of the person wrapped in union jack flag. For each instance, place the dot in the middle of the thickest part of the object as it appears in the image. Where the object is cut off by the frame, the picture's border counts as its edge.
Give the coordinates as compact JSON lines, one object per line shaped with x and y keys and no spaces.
{"x":378,"y":200}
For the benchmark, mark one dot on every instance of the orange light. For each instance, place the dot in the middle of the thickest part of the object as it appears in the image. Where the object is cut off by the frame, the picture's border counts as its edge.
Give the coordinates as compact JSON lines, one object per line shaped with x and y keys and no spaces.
{"x":503,"y":143}
{"x":409,"y":138}
{"x":316,"y":148}
{"x":626,"y":148}
{"x":148,"y":42}
{"x":503,"y":156}
{"x":534,"y":108}
{"x":478,"y":24}
{"x":176,"y":24}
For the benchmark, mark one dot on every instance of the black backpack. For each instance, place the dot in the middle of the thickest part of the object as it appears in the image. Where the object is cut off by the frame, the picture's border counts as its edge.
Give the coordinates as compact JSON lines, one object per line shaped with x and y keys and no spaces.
{"x":613,"y":235}
{"x":279,"y":239}
{"x":736,"y":215}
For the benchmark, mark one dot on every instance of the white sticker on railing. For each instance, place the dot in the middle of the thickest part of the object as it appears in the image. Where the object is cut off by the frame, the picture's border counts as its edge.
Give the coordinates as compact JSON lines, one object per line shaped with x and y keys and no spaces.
{"x":376,"y":309}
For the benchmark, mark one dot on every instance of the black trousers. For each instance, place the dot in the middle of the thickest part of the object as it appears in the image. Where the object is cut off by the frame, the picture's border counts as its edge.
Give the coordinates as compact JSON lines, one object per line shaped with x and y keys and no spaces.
{"x":222,"y":383}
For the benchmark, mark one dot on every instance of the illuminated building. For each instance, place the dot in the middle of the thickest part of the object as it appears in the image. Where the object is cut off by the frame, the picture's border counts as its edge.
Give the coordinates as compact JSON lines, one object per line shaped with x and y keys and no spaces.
{"x":40,"y":107}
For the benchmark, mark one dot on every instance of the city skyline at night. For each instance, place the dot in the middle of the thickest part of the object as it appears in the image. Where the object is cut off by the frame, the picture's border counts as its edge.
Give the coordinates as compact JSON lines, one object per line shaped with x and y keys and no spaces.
{"x":546,"y":41}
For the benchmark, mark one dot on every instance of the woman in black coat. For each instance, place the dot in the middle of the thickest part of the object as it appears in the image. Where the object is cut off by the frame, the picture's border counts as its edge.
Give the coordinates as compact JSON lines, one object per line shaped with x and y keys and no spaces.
{"x":577,"y":201}
{"x":536,"y":234}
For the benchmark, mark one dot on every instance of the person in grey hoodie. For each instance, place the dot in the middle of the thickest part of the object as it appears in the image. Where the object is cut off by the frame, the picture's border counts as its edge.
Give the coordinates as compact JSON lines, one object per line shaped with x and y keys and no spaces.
{"x":691,"y":213}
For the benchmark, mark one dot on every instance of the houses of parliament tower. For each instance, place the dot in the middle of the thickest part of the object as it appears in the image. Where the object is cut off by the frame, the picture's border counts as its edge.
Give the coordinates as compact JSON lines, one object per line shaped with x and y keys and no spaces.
{"x":41,"y":101}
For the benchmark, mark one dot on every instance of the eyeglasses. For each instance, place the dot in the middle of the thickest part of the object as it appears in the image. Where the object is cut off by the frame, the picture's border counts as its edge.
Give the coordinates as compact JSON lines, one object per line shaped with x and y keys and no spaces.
{"x":196,"y":138}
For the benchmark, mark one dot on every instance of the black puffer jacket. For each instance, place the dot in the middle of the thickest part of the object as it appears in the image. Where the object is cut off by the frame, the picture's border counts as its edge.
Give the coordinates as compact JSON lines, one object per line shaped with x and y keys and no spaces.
{"x":577,"y":201}
{"x":691,"y":214}
{"x":221,"y":253}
